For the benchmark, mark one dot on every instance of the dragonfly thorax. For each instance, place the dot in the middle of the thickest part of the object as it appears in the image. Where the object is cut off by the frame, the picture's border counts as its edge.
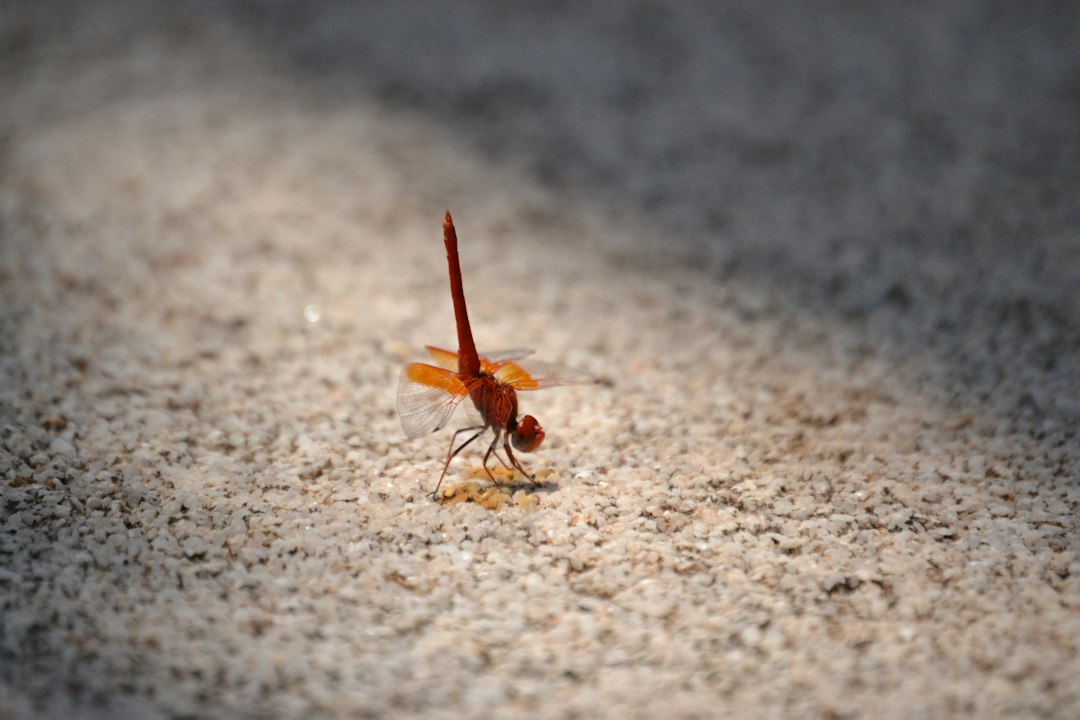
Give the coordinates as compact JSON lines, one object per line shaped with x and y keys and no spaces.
{"x":496,"y":402}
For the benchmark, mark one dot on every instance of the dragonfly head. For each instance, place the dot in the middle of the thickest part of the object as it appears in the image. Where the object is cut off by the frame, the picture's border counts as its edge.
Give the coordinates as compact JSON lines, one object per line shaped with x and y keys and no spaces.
{"x":528,"y":434}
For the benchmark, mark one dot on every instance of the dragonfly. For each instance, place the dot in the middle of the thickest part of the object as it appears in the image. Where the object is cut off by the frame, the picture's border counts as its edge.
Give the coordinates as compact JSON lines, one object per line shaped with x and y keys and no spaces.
{"x":428,"y":394}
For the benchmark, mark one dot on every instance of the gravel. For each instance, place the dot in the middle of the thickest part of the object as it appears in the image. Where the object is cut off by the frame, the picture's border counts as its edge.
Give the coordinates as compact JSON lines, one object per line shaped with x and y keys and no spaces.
{"x":824,"y":261}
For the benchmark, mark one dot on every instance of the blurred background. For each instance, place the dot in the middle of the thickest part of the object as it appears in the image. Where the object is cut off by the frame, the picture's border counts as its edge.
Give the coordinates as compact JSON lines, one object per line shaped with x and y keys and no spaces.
{"x":826,"y":257}
{"x":912,"y":171}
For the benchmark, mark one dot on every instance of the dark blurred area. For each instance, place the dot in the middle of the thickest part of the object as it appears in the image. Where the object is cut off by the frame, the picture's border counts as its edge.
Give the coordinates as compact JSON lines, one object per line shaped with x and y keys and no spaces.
{"x":913,"y":168}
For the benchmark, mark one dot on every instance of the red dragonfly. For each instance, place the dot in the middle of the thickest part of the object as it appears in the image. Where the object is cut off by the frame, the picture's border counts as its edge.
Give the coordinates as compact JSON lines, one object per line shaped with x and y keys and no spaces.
{"x":429,"y":394}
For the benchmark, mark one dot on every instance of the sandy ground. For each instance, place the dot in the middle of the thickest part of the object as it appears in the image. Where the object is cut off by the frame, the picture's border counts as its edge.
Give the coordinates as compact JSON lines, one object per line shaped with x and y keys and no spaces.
{"x":825,"y":259}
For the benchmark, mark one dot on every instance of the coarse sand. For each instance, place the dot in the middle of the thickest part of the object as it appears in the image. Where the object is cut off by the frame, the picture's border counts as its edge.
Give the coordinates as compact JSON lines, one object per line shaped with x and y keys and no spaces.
{"x":824,"y":259}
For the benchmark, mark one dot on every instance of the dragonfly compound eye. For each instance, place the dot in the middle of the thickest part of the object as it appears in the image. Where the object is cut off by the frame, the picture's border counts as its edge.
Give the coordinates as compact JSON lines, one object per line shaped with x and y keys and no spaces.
{"x":528,"y":434}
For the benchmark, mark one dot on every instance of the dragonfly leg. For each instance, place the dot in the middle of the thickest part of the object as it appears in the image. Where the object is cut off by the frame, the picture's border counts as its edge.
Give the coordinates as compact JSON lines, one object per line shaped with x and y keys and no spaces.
{"x":452,"y":453}
{"x":514,"y":460}
{"x":495,"y":451}
{"x":491,"y":450}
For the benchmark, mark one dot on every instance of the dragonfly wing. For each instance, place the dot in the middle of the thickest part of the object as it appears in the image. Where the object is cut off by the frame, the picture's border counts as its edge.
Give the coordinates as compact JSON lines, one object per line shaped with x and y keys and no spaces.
{"x":489,"y":362}
{"x":427,"y":396}
{"x":501,"y":356}
{"x":536,"y":375}
{"x":443,"y":358}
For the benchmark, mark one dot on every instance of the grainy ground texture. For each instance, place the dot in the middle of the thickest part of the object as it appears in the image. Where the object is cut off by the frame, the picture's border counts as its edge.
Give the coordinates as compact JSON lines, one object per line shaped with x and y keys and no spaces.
{"x":825,"y":258}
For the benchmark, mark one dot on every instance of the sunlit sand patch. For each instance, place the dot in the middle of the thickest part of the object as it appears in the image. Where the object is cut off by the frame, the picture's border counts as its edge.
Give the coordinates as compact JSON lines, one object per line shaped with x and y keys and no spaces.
{"x":492,"y":497}
{"x":542,"y":476}
{"x":508,"y":488}
{"x":502,"y":475}
{"x":528,"y":501}
{"x":507,"y":476}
